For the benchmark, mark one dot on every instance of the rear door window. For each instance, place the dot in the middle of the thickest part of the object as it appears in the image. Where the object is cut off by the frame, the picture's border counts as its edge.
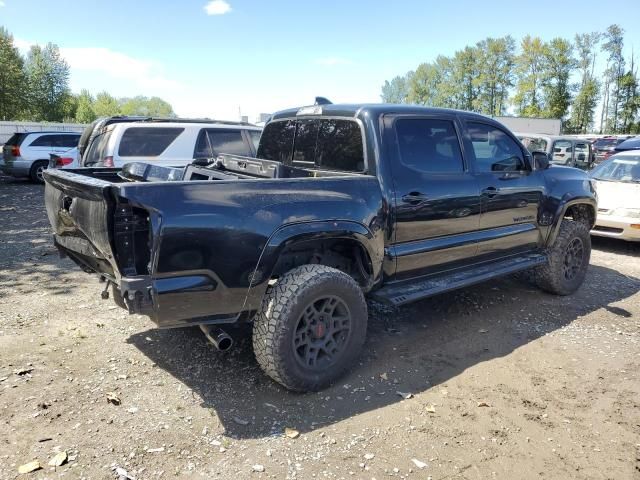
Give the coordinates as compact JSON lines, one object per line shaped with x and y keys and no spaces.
{"x":147,"y":141}
{"x":227,"y":141}
{"x":45,"y":141}
{"x":429,"y":145}
{"x":212,"y":142}
{"x":69,"y":141}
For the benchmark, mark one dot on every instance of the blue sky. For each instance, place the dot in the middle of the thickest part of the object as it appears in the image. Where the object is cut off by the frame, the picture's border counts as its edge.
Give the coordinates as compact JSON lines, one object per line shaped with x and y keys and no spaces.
{"x":261,"y":56}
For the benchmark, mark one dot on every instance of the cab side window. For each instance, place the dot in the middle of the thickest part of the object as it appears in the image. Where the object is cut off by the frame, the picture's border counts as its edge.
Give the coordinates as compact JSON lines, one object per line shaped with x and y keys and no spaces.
{"x":494,"y":150}
{"x":429,"y":145}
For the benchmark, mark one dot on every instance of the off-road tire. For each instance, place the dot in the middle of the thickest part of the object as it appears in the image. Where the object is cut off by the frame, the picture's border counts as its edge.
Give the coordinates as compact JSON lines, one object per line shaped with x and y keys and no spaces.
{"x":35,"y":167}
{"x":282,"y":308}
{"x":551,"y":277}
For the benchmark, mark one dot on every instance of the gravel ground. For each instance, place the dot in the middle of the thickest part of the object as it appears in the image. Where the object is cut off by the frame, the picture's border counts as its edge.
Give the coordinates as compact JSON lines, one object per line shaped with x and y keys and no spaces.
{"x":495,"y":381}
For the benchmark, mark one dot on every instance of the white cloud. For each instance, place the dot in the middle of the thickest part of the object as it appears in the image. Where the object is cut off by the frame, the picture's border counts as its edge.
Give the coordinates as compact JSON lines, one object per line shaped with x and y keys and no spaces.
{"x":22,"y":45}
{"x":1,"y":3}
{"x":145,"y":74}
{"x":216,"y":7}
{"x":332,"y":61}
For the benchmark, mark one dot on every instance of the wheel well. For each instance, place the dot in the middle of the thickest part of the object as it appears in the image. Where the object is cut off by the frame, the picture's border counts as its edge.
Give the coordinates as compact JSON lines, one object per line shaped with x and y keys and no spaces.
{"x":346,"y":255}
{"x":583,"y":213}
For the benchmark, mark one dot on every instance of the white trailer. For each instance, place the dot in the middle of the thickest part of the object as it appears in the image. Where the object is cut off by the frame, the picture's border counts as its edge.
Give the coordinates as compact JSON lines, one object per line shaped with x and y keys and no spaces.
{"x":547,"y":126}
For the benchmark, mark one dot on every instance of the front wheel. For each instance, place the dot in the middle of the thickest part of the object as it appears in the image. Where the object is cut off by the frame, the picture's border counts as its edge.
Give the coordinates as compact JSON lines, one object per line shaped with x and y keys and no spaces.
{"x":36,"y":171}
{"x":311,"y":327}
{"x":568,"y":260}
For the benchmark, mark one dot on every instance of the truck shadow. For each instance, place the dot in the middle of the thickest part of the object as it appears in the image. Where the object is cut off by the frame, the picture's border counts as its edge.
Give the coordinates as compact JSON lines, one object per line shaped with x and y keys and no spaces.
{"x":411,"y":350}
{"x":614,"y":245}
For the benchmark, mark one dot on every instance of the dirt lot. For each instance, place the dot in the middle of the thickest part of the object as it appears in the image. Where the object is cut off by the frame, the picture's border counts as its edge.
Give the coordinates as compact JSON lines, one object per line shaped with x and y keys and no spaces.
{"x":505,"y":382}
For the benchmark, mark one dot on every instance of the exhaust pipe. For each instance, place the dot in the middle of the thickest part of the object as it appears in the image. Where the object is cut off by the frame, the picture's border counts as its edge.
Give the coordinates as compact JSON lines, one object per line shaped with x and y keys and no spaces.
{"x":220,"y":339}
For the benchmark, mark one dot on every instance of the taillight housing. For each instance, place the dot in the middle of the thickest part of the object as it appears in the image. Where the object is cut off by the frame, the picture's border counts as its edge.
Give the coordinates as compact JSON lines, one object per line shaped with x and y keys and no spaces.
{"x":108,"y":161}
{"x":62,"y":161}
{"x":15,"y":150}
{"x":131,"y":239}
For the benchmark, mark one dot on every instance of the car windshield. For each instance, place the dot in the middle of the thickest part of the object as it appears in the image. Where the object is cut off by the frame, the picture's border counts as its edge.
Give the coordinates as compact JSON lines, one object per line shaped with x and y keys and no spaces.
{"x":619,"y":169}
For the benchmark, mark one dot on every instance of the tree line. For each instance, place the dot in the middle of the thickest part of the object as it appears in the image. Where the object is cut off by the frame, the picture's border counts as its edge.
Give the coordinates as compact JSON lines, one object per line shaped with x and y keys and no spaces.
{"x":554,"y":79}
{"x":35,"y":87}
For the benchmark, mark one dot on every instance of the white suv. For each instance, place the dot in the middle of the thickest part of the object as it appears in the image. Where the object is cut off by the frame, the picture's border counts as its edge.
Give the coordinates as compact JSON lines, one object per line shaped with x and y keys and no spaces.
{"x":27,"y":154}
{"x":170,"y":143}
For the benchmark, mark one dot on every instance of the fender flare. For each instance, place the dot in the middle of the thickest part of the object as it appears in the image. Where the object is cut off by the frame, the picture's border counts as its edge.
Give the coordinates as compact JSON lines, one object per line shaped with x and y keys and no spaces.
{"x":562,"y":209}
{"x":291,"y":234}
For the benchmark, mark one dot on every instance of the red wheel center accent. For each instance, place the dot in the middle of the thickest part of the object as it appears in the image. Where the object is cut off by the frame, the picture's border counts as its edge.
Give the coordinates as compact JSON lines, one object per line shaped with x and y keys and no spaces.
{"x":320,"y":330}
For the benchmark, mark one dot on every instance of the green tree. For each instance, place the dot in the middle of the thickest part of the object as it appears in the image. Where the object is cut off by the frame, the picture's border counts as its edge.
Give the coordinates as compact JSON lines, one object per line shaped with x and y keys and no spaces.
{"x":106,"y":106}
{"x":424,"y":84}
{"x":12,"y":81}
{"x":496,"y":58}
{"x":463,"y":80}
{"x":48,"y":83}
{"x":559,"y":63}
{"x":396,"y":90}
{"x":529,"y":69}
{"x":586,"y":100}
{"x":85,"y":112}
{"x":69,"y":108}
{"x":144,"y":106}
{"x":629,"y":100}
{"x":614,"y":41}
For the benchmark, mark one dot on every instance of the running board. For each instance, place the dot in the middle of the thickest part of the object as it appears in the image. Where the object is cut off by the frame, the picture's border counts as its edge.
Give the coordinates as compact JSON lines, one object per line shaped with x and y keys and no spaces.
{"x":400,"y":293}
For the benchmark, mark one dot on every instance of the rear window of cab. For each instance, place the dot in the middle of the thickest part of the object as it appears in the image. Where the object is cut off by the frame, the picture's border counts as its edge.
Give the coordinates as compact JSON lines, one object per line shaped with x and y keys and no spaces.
{"x":322,"y":143}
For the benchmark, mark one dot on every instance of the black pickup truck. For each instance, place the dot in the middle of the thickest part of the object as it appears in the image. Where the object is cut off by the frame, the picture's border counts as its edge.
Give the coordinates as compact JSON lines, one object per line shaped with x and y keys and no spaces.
{"x":397,"y":203}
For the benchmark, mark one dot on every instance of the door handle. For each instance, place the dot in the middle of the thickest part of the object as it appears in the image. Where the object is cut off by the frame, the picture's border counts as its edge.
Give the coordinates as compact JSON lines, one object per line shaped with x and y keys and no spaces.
{"x":414,"y":198}
{"x":491,"y":192}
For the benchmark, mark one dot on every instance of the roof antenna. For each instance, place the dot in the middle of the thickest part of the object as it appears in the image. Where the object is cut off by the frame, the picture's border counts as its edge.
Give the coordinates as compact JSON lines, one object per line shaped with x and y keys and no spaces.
{"x":322,"y":101}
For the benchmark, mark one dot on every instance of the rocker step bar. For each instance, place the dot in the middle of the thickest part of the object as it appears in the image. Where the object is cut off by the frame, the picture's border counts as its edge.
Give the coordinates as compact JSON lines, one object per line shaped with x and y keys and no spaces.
{"x":400,"y":293}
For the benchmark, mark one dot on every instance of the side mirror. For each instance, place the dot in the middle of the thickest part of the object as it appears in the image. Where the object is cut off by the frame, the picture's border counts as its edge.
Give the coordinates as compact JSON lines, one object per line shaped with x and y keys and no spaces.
{"x":540,"y":160}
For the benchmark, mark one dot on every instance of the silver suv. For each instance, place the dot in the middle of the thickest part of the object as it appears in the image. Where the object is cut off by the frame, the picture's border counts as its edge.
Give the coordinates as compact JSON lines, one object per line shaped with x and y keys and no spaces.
{"x":27,"y":154}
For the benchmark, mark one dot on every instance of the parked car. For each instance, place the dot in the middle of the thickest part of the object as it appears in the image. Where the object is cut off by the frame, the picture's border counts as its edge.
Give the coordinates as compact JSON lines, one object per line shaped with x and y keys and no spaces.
{"x":618,"y":184}
{"x":568,"y":151}
{"x":95,"y":127}
{"x":605,"y":147}
{"x":27,"y":154}
{"x":68,"y":159}
{"x":396,"y":202}
{"x":167,"y":142}
{"x":629,"y":144}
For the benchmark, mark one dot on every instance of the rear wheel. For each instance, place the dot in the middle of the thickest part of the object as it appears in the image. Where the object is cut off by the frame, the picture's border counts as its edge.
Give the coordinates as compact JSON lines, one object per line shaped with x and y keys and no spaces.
{"x":568,"y":260}
{"x":311,"y":327}
{"x":36,"y":171}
